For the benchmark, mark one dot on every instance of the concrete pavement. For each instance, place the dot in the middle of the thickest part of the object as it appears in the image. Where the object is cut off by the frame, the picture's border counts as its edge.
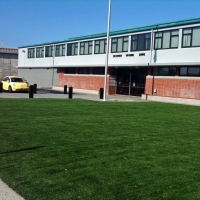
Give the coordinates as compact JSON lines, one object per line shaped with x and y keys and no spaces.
{"x":59,"y":94}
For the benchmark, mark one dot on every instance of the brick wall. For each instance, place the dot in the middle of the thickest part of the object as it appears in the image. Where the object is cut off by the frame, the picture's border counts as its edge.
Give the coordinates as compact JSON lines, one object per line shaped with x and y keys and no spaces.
{"x":180,"y":87}
{"x":88,"y":82}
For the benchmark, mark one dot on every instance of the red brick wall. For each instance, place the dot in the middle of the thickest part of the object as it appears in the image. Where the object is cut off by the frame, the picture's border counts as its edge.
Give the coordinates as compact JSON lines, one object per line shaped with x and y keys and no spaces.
{"x":88,"y":82}
{"x":180,"y":87}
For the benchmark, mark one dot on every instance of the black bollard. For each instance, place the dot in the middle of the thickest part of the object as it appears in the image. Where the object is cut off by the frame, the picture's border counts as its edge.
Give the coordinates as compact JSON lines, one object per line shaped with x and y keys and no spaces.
{"x":35,"y":88}
{"x":101,"y":93}
{"x":31,"y":91}
{"x":65,"y":89}
{"x":70,"y":92}
{"x":1,"y":87}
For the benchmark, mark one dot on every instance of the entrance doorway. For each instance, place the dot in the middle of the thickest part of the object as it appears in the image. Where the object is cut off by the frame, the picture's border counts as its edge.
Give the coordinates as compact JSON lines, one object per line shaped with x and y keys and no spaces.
{"x":131,"y":81}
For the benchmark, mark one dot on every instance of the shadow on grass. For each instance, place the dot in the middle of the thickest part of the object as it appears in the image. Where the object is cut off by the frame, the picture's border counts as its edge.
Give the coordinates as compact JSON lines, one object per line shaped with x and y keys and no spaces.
{"x":23,"y":149}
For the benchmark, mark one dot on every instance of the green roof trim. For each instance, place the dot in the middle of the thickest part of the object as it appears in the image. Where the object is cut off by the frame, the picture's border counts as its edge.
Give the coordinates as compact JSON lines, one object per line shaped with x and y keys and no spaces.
{"x":125,"y":31}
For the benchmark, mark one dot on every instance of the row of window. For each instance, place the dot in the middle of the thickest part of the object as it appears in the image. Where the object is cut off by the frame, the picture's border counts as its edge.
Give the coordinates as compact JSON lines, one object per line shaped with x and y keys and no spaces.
{"x":157,"y":71}
{"x":171,"y":71}
{"x":85,"y":70}
{"x":140,"y":42}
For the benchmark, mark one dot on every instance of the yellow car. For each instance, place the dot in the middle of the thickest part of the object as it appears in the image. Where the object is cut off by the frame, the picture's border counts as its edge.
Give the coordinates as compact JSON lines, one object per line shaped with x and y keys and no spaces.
{"x":15,"y":83}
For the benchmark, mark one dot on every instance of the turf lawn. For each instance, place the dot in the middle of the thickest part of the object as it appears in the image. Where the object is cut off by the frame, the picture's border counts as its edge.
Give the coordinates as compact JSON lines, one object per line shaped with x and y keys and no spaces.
{"x":54,"y":149}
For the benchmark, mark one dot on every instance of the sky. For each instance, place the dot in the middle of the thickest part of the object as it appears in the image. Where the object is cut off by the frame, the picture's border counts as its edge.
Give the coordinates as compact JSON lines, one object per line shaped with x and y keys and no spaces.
{"x":29,"y":22}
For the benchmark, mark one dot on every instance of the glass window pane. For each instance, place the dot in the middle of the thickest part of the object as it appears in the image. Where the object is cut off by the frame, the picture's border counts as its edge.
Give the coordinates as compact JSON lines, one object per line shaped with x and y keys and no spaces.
{"x":140,"y":42}
{"x":155,"y":71}
{"x":134,"y":46}
{"x":186,"y":40}
{"x":82,"y":50}
{"x":166,"y":40}
{"x":174,"y":41}
{"x":96,"y":49}
{"x":134,"y":37}
{"x":175,"y":32}
{"x":163,"y":70}
{"x":99,"y":70}
{"x":119,"y":45}
{"x":147,"y":44}
{"x":114,"y":47}
{"x":196,"y":37}
{"x":60,"y":50}
{"x":125,"y":46}
{"x":73,"y":49}
{"x":114,"y":40}
{"x":188,"y":30}
{"x":125,"y":38}
{"x":105,"y":47}
{"x":148,"y":35}
{"x":63,"y":50}
{"x":172,"y":71}
{"x":159,"y":34}
{"x":157,"y":43}
{"x":183,"y":71}
{"x":193,"y":71}
{"x":76,"y":50}
{"x":102,"y":46}
{"x":90,"y":50}
{"x":86,"y":47}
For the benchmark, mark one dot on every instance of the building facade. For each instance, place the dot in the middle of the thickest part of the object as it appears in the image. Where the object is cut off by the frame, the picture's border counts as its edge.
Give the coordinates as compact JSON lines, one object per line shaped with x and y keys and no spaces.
{"x":157,"y":60}
{"x":8,"y":62}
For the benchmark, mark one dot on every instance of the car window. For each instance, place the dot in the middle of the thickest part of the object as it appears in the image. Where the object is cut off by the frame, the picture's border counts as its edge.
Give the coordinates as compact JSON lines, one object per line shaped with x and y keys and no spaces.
{"x":5,"y":79}
{"x":16,"y":80}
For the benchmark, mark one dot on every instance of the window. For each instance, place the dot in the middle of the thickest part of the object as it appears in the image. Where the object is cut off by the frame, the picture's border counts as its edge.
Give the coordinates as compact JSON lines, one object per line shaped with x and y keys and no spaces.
{"x":31,"y":53}
{"x":49,"y":51}
{"x":99,"y":70}
{"x":119,"y":44}
{"x":191,"y":37}
{"x":60,"y":50}
{"x":86,"y":48}
{"x":100,"y":46}
{"x":166,"y":39}
{"x":141,"y":42}
{"x":164,"y":71}
{"x":84,"y":70}
{"x":70,"y":70}
{"x":72,"y":49}
{"x":189,"y":71}
{"x":40,"y":52}
{"x":6,"y":79}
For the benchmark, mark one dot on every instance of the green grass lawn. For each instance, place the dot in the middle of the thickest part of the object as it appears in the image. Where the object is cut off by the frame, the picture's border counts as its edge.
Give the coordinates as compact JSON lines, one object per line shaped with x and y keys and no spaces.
{"x":54,"y":149}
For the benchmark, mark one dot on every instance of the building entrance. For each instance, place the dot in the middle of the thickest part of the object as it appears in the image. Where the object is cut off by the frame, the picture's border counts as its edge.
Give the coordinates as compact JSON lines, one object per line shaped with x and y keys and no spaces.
{"x":131,"y":81}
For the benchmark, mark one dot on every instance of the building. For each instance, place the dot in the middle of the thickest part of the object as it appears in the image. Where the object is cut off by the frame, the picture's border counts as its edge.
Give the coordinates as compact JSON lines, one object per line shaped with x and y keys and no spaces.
{"x":8,"y":62}
{"x":161,"y":60}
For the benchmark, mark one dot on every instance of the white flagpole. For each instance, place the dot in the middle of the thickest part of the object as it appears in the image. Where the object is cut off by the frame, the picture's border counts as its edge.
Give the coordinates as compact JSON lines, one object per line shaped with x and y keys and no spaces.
{"x":107,"y":52}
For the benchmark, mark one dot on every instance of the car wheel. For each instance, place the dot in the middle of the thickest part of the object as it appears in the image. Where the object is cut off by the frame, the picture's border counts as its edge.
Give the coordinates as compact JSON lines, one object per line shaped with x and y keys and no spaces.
{"x":9,"y":89}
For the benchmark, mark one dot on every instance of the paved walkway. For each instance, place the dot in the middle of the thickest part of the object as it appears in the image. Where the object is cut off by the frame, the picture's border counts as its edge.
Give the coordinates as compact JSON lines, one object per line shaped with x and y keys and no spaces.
{"x":58,"y":93}
{"x":6,"y":193}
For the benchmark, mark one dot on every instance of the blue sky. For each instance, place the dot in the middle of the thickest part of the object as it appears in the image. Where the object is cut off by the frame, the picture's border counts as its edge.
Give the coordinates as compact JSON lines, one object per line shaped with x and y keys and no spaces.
{"x":26,"y":22}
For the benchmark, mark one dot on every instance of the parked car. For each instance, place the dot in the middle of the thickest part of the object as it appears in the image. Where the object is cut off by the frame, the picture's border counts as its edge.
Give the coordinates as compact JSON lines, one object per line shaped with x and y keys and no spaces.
{"x":15,"y":83}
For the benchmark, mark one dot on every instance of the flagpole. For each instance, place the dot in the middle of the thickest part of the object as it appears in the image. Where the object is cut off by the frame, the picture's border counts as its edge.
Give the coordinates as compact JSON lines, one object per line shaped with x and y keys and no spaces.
{"x":107,"y":52}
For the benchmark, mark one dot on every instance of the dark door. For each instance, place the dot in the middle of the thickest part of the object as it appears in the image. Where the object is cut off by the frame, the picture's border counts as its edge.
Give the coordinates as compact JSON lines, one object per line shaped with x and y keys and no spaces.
{"x":131,"y":81}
